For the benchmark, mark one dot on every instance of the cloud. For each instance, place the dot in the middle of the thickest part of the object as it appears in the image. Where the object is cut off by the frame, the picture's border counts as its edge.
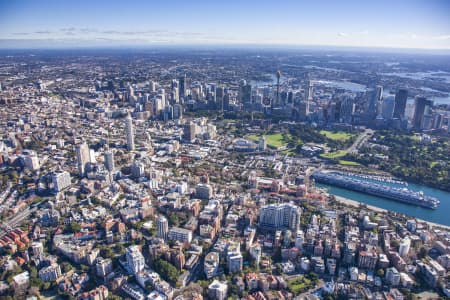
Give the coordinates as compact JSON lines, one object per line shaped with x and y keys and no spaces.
{"x":43,"y":32}
{"x":442,"y":37}
{"x":343,"y":34}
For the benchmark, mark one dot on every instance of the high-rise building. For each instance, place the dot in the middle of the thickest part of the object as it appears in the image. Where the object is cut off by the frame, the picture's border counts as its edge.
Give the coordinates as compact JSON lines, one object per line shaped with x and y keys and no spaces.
{"x":400,"y":104}
{"x":204,"y":191}
{"x":308,"y":97}
{"x":61,"y":181}
{"x":83,"y":158}
{"x":135,"y":259}
{"x":217,"y":290}
{"x":234,"y":261}
{"x":245,"y":93}
{"x":163,"y":227}
{"x":189,"y":131}
{"x":280,"y":217}
{"x":109,"y":161}
{"x":183,"y":85}
{"x":403,"y":249}
{"x":278,"y":75}
{"x":130,"y":133}
{"x":347,"y":110}
{"x":420,"y":105}
{"x":387,"y":110}
{"x":374,"y":98}
{"x":220,"y":93}
{"x":137,"y":170}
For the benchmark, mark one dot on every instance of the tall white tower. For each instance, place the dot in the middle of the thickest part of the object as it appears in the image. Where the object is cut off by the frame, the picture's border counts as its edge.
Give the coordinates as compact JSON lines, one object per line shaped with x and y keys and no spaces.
{"x":404,"y":247}
{"x":83,"y":158}
{"x":130,"y":133}
{"x":163,"y":227}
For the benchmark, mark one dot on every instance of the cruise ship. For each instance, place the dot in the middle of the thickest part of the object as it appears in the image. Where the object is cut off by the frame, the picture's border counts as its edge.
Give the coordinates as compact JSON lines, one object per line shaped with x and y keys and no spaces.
{"x":404,"y":195}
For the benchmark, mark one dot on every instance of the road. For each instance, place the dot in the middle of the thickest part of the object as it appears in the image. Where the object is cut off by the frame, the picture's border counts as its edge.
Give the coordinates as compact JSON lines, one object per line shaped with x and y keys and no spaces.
{"x":16,"y":220}
{"x":360,"y":140}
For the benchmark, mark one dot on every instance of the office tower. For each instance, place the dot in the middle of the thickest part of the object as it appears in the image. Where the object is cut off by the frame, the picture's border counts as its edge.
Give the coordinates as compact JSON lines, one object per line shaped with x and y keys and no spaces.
{"x":387,"y":110}
{"x":177,"y":111}
{"x":204,"y":191}
{"x":183,"y":85}
{"x":83,"y":158}
{"x":137,"y":170}
{"x":135,"y":259}
{"x":152,"y":86}
{"x":400,"y":104}
{"x":420,"y":105}
{"x":403,"y":249}
{"x":109,"y":161}
{"x":220,"y":93}
{"x":189,"y":131}
{"x":61,"y":181}
{"x":374,"y":97}
{"x":280,"y":217}
{"x":226,"y":101}
{"x":278,"y":87}
{"x":308,"y":96}
{"x":346,"y":110}
{"x":245,"y":93}
{"x":130,"y":133}
{"x":163,"y":227}
{"x":379,"y":99}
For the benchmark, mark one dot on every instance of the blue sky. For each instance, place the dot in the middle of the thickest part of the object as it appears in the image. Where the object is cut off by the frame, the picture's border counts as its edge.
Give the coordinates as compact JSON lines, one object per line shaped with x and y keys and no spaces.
{"x":380,"y":23}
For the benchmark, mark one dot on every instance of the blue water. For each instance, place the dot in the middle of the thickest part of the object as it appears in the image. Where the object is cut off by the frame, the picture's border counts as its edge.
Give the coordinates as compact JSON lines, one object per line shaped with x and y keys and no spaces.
{"x":439,"y":215}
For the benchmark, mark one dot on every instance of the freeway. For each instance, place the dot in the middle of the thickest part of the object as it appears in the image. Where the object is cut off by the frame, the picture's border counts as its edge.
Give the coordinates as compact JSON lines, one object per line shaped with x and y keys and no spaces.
{"x":360,"y":140}
{"x":16,"y":220}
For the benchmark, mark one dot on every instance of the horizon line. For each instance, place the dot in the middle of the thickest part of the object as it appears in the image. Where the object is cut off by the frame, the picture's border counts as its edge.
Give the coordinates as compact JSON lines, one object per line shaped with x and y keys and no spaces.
{"x":287,"y":46}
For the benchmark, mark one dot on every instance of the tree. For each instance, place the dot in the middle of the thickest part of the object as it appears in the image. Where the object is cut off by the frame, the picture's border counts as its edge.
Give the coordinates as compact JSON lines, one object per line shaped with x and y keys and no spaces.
{"x":166,"y":270}
{"x":75,"y":227}
{"x":380,"y":272}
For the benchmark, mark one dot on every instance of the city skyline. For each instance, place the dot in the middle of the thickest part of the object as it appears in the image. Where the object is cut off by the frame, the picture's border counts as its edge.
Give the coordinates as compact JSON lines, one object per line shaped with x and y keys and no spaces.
{"x":380,"y":24}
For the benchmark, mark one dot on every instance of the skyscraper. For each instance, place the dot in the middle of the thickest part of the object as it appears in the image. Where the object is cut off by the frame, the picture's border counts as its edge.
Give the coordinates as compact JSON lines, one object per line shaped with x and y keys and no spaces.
{"x":420,"y":103}
{"x":163,"y":227}
{"x":304,"y":107}
{"x":183,"y":85}
{"x":130,"y":133}
{"x":400,"y":104}
{"x":388,"y":107}
{"x":379,"y":99}
{"x":83,"y":158}
{"x":109,"y":160}
{"x":278,"y":87}
{"x":373,"y":102}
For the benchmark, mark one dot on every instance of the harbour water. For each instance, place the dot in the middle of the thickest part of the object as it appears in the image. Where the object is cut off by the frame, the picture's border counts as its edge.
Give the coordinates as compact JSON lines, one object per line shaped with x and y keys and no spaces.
{"x":439,"y":215}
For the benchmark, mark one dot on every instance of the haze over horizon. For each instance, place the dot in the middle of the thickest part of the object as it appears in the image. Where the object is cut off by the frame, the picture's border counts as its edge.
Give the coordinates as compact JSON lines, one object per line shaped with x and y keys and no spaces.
{"x":413,"y":24}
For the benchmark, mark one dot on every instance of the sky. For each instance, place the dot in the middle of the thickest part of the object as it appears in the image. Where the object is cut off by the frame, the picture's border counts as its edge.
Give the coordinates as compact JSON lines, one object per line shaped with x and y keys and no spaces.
{"x":422,"y":24}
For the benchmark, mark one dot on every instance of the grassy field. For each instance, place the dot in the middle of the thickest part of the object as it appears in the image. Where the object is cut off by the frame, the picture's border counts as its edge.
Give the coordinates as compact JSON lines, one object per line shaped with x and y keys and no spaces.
{"x":333,"y":155}
{"x":336,"y":136}
{"x":348,"y":163}
{"x":273,"y":140}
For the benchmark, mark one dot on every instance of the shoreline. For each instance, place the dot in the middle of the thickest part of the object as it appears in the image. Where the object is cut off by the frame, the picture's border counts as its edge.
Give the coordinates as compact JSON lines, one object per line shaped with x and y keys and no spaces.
{"x":355,"y":203}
